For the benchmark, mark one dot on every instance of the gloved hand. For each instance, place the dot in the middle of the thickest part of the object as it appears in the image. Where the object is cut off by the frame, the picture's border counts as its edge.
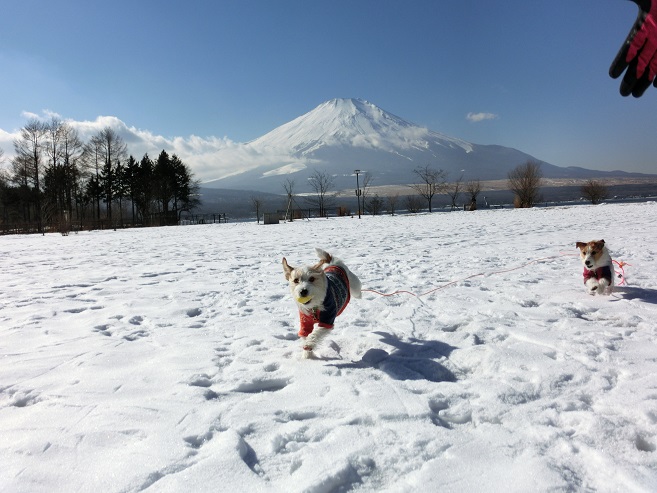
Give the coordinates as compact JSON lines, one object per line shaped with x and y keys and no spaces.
{"x":639,"y":52}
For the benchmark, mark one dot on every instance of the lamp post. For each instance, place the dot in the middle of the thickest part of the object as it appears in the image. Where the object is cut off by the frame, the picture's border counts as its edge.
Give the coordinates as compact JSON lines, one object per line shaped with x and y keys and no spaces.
{"x":358,"y":192}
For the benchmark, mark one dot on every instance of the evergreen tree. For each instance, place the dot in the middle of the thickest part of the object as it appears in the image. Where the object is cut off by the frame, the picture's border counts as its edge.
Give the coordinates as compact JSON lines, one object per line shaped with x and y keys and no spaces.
{"x":165,"y":180}
{"x":130,"y":178}
{"x":143,"y":188}
{"x":92,"y":191}
{"x":185,"y":187}
{"x":120,"y":188}
{"x":112,"y":150}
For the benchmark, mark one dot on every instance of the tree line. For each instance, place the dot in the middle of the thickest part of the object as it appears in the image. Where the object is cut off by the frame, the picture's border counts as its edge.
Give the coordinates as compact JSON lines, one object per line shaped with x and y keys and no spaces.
{"x":55,"y":180}
{"x":524,"y":181}
{"x":431,"y":182}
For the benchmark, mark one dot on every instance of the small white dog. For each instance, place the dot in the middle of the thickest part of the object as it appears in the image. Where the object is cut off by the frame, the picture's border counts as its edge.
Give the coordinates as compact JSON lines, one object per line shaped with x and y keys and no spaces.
{"x":598,"y":266}
{"x":321,"y":291}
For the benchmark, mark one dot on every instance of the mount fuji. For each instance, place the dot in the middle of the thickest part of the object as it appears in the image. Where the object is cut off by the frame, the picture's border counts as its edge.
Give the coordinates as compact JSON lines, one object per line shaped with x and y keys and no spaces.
{"x":341,"y":135}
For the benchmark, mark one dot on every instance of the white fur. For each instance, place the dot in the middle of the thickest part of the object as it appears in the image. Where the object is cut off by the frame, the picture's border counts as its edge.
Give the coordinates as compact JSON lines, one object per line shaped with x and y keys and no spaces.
{"x":313,"y":340}
{"x":594,"y":255}
{"x":310,"y":281}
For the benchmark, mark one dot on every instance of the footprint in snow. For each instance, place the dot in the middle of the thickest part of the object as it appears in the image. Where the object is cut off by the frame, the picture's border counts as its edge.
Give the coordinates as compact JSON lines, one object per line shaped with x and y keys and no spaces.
{"x":138,"y":334}
{"x":24,"y":399}
{"x":257,"y":386}
{"x":75,"y":310}
{"x":194,"y":312}
{"x":198,"y":441}
{"x":102,"y":329}
{"x":201,"y":380}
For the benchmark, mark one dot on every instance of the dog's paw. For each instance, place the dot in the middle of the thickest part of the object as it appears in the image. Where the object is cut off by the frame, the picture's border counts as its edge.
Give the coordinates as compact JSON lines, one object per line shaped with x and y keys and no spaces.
{"x":307,"y":350}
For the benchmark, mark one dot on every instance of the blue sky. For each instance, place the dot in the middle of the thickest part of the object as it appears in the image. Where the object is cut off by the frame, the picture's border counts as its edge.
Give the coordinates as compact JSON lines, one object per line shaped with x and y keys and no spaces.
{"x":234,"y":70}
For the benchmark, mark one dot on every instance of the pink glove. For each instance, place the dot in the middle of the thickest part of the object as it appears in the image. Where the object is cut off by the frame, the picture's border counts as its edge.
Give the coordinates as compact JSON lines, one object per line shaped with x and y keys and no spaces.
{"x":639,"y":52}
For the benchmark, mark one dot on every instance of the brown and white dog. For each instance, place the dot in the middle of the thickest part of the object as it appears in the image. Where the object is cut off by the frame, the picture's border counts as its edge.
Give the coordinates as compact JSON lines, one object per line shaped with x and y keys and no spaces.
{"x":321,"y":292}
{"x":598,"y":266}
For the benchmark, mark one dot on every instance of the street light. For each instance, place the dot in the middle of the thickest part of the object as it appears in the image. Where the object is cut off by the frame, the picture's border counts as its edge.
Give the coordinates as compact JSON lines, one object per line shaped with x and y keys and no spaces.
{"x":358,"y":192}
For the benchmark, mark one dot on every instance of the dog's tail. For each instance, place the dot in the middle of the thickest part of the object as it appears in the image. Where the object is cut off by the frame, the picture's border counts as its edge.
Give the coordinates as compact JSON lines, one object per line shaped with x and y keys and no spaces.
{"x":325,"y":257}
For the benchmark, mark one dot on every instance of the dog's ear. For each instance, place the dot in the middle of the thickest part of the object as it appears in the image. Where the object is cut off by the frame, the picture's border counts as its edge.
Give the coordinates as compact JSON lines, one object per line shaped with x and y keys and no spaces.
{"x":600,"y":244}
{"x":580,"y":244}
{"x":287,"y":269}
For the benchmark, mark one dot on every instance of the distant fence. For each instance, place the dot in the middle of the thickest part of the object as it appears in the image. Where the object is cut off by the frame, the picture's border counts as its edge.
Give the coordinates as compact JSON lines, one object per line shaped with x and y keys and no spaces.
{"x":309,"y":213}
{"x":65,"y":227}
{"x":213,"y":218}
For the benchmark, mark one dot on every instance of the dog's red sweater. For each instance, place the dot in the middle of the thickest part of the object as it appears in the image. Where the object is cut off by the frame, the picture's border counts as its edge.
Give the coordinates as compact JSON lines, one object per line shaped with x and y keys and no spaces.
{"x":336,"y":300}
{"x":599,"y":273}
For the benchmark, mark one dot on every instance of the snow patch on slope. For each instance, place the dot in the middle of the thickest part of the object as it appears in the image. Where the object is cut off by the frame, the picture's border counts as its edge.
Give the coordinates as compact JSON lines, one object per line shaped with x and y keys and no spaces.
{"x":352,"y":122}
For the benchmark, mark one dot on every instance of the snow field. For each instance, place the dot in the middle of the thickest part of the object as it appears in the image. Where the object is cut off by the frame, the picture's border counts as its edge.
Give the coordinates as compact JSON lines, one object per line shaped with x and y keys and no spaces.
{"x":167,"y":359}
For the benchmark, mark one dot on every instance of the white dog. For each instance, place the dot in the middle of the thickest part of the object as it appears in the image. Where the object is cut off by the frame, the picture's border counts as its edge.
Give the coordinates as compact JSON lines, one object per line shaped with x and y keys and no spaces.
{"x":321,"y":291}
{"x":598,"y":267}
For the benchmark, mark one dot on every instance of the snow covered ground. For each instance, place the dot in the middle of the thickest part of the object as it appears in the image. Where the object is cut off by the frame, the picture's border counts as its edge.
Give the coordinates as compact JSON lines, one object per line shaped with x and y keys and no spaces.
{"x":167,"y":359}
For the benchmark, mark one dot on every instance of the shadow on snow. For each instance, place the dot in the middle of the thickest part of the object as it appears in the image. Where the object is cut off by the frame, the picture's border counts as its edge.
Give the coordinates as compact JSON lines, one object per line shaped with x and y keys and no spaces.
{"x":646,"y":295}
{"x":407,"y":360}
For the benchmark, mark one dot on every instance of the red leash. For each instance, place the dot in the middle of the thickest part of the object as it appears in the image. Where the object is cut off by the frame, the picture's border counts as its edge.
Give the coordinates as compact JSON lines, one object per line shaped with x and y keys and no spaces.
{"x":470,"y":277}
{"x":621,"y":274}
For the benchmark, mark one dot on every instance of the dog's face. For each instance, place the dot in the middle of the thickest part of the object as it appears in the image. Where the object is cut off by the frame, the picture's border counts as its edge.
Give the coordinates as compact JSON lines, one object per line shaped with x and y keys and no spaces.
{"x":307,"y":284}
{"x":591,"y":252}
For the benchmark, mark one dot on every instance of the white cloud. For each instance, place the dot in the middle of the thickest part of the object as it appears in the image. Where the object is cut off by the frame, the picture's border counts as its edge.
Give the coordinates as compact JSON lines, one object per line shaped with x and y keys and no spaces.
{"x":52,"y":114}
{"x":30,"y":116}
{"x":480,"y":117}
{"x":209,"y":158}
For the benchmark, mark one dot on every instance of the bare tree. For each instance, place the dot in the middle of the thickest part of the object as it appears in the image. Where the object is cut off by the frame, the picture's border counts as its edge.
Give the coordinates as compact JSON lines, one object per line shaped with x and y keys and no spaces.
{"x":20,"y":176}
{"x":374,"y":205}
{"x":92,"y":161}
{"x":525,"y":181}
{"x":392,"y":201}
{"x":432,"y":182}
{"x":72,"y":151}
{"x":595,"y":191}
{"x":4,"y":187}
{"x":473,"y":189}
{"x":4,"y":174}
{"x":256,"y":201}
{"x":288,"y":186}
{"x":112,"y":151}
{"x":413,"y":203}
{"x":454,"y":190}
{"x":63,"y":148}
{"x":21,"y":171}
{"x":321,"y":182}
{"x":53,"y":139}
{"x":29,"y":155}
{"x":368,"y":178}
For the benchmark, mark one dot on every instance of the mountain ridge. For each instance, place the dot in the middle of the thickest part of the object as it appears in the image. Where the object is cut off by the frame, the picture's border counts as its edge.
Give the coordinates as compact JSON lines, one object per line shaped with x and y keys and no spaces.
{"x":344,"y":134}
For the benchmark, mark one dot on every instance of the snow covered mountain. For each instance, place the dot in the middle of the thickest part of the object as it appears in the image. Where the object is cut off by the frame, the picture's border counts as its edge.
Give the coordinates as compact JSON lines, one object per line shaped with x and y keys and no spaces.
{"x":341,"y":135}
{"x":352,"y":123}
